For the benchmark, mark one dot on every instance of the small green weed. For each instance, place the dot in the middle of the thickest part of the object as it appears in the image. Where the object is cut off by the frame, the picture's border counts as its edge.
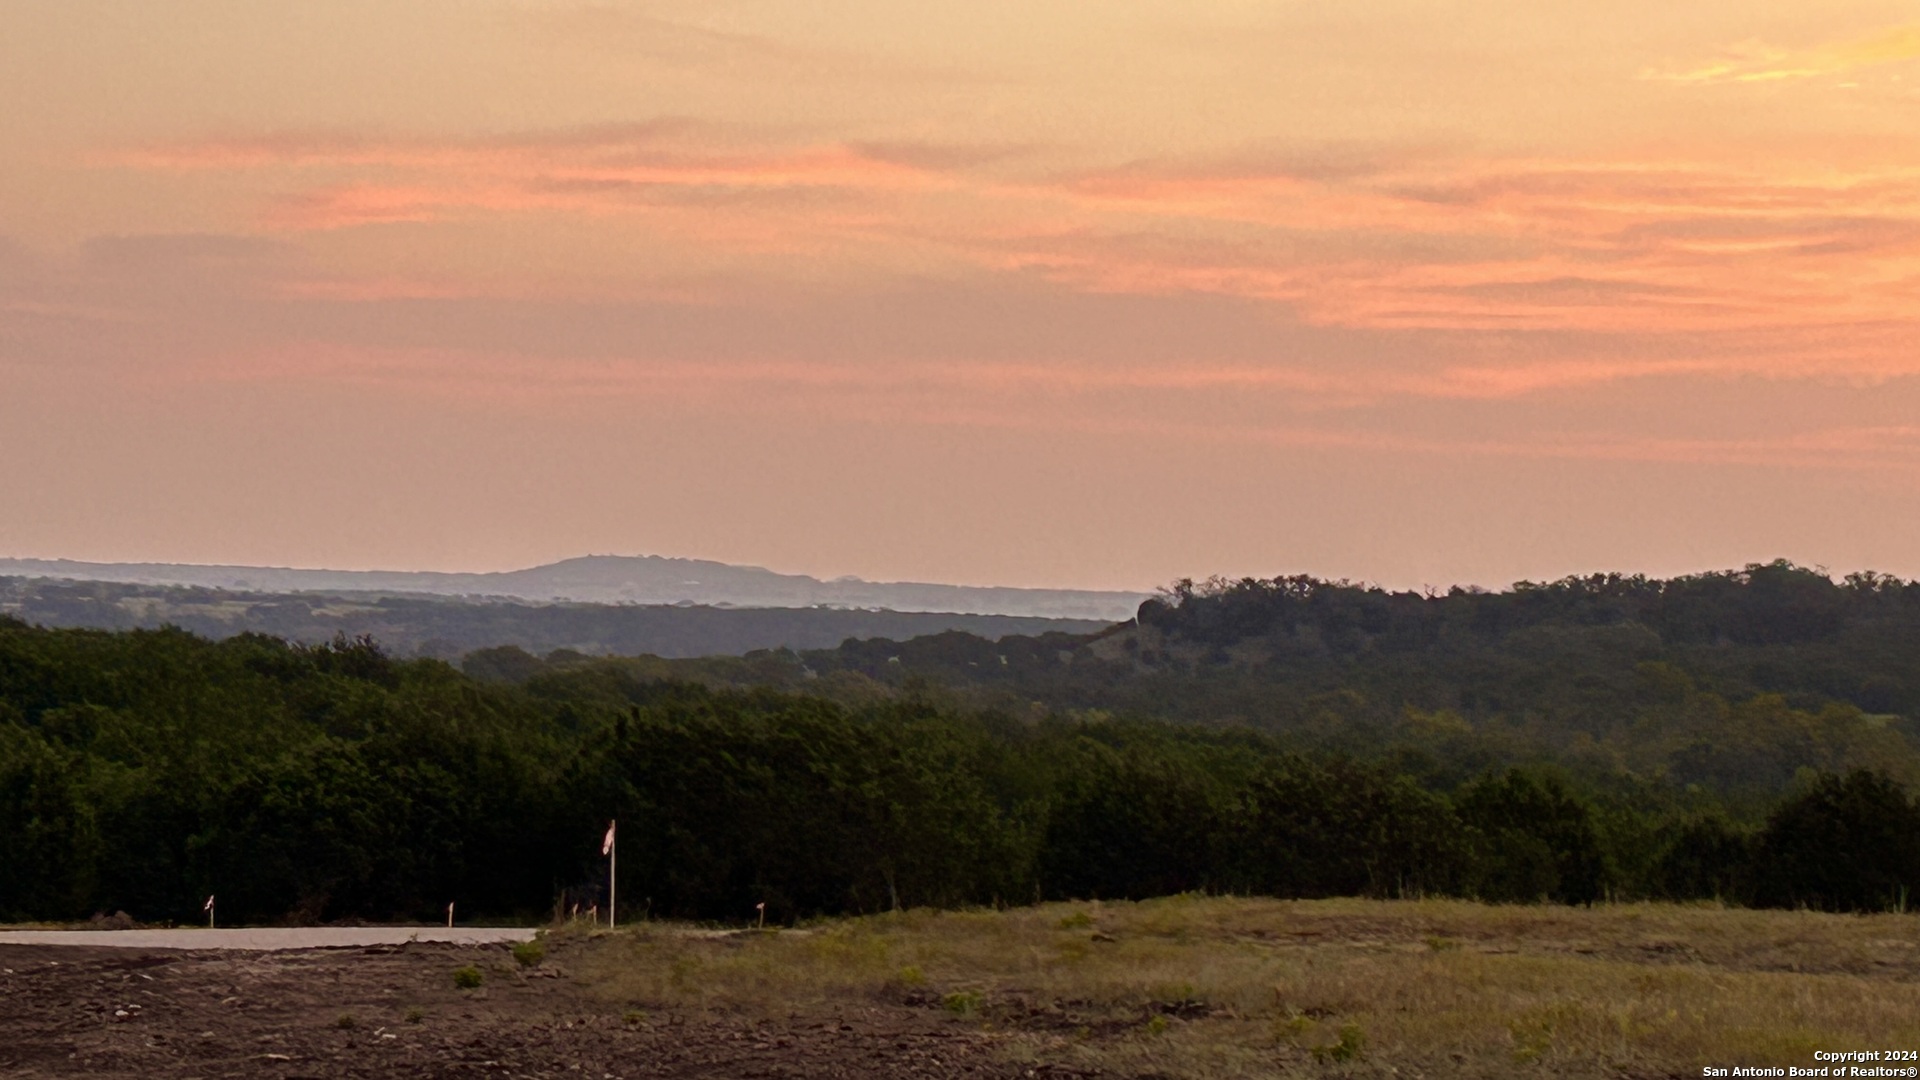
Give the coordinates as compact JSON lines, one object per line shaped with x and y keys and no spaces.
{"x":1157,"y":1025}
{"x":1079,"y":920}
{"x":1353,"y":1042}
{"x":1293,"y":1027}
{"x":468,"y":978}
{"x":346,"y":1022}
{"x":415,"y":1014}
{"x":1533,"y":1033}
{"x":633,"y":1016}
{"x":962,"y":1002}
{"x":529,"y":953}
{"x":912,"y":976}
{"x":1177,"y":994}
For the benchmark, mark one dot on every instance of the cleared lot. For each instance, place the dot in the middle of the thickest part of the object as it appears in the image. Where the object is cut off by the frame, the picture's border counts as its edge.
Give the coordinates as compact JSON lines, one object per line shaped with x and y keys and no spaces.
{"x":397,"y":1011}
{"x":268,"y":938}
{"x":1185,"y":988}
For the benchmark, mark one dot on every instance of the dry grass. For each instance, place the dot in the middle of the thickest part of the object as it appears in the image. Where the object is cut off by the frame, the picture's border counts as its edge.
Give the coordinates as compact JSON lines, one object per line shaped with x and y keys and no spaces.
{"x":1226,"y":988}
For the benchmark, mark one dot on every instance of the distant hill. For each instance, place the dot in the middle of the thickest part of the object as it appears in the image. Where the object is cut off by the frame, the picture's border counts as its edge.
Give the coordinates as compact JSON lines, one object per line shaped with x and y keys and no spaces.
{"x":1736,"y":680}
{"x":448,"y":627}
{"x":616,"y":579}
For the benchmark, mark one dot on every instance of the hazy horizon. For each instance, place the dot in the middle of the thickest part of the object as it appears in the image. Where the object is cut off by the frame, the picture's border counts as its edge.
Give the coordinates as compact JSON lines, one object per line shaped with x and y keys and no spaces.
{"x":1835,"y":573}
{"x":466,"y":571}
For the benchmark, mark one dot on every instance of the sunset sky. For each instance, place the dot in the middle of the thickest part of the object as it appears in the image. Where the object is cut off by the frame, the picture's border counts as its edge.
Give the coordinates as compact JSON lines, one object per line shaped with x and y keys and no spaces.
{"x":1070,"y":294}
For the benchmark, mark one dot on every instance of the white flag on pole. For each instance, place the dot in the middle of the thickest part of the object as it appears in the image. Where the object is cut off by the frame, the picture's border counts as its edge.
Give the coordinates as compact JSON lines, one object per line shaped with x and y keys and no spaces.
{"x":208,"y":906}
{"x":606,"y":846}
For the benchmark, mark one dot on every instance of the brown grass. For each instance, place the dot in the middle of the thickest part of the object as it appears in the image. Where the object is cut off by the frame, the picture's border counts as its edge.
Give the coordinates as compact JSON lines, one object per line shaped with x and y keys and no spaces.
{"x":1228,"y":988}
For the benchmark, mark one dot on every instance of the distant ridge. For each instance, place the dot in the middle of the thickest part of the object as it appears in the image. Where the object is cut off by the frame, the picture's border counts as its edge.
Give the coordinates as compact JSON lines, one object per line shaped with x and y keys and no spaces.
{"x":616,"y":579}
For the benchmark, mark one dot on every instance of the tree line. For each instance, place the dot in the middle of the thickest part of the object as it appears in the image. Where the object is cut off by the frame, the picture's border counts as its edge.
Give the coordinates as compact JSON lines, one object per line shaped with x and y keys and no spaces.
{"x":142,"y":770}
{"x":1735,"y":681}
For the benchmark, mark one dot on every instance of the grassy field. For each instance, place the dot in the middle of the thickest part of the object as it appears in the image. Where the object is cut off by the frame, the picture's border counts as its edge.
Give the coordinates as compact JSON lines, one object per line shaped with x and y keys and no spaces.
{"x":1224,"y":988}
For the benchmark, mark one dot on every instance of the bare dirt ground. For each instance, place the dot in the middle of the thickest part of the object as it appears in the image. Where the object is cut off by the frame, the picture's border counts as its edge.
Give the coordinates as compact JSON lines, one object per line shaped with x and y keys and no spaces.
{"x":394,"y":1011}
{"x":268,"y":938}
{"x":1181,"y":988}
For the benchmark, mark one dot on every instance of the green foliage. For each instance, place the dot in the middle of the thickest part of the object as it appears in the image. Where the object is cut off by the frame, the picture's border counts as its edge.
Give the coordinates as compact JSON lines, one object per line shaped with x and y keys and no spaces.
{"x":529,"y":953}
{"x":1846,"y":844}
{"x":141,"y":770}
{"x":1338,"y":828}
{"x":1538,"y":840}
{"x":1349,"y":1047}
{"x":1730,"y":681}
{"x":468,"y":978}
{"x":1702,"y":857}
{"x":1130,"y":822}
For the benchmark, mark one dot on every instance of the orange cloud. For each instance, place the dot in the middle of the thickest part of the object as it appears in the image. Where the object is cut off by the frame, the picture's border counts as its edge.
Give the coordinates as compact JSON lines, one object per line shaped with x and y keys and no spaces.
{"x":1543,"y":244}
{"x":1651,"y":246}
{"x":662,"y":153}
{"x":589,"y":171}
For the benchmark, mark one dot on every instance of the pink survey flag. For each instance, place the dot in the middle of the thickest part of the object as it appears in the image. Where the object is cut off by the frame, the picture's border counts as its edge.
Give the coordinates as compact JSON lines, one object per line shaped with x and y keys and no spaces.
{"x":208,"y":906}
{"x":606,"y":846}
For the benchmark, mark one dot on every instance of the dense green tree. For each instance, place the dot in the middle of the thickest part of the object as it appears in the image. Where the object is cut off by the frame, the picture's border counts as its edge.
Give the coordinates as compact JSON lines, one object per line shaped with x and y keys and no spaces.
{"x":1702,"y":857}
{"x":141,"y":770}
{"x":1343,"y":829}
{"x":1536,"y":839}
{"x":1847,"y":843}
{"x":1127,"y":822}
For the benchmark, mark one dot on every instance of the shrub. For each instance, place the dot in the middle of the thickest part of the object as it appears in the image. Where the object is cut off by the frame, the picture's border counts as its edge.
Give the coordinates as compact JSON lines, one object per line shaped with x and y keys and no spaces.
{"x":1353,"y":1041}
{"x":1537,"y":839}
{"x":529,"y":953}
{"x":468,"y":978}
{"x":1845,"y":844}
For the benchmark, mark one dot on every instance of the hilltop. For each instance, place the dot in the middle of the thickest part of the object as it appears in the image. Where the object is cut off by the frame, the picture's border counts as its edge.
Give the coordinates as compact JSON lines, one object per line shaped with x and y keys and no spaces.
{"x":615,"y":579}
{"x":412,"y":624}
{"x":1736,"y":680}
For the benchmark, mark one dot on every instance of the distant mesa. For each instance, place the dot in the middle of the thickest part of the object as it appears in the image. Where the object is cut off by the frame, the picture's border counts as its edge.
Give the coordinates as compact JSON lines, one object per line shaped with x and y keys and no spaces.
{"x":617,"y":579}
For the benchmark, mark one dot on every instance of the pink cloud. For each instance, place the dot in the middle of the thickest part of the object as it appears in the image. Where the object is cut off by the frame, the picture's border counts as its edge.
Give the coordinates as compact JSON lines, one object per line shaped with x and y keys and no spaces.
{"x":1673,"y":246}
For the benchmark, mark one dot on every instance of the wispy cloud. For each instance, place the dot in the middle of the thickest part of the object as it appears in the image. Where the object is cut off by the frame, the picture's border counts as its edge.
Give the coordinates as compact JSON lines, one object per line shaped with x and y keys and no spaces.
{"x":1180,"y":404}
{"x":1416,"y":241}
{"x":341,"y":182}
{"x":1758,"y":62}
